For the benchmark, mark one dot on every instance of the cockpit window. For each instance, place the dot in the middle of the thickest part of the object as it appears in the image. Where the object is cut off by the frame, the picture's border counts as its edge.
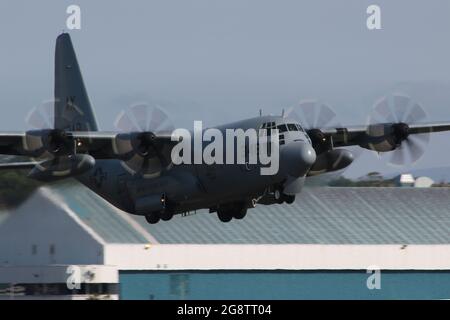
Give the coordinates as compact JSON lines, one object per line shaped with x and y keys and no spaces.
{"x":292,"y":127}
{"x":268,"y":125}
{"x":300,"y":128}
{"x":282,"y":128}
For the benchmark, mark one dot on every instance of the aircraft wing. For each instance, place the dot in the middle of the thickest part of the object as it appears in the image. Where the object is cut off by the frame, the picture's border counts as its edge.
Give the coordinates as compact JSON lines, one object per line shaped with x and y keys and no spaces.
{"x":100,"y":145}
{"x":18,"y":165}
{"x":103,"y":145}
{"x":361,"y":135}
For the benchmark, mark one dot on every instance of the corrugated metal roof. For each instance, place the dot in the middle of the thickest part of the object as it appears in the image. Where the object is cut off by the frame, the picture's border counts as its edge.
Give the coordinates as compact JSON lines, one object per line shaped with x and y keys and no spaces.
{"x":319,"y":216}
{"x":325,"y":216}
{"x":102,"y":217}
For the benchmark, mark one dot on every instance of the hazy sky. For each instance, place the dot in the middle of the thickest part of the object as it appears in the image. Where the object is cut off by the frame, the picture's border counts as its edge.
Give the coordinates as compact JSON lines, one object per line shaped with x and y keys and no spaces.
{"x":223,"y":60}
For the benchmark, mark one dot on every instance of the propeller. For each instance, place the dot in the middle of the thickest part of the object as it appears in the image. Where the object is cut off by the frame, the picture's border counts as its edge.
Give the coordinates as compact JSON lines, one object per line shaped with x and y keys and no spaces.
{"x":401,"y":111}
{"x":41,"y":140}
{"x":52,"y":149}
{"x":136,"y":144}
{"x":313,"y":115}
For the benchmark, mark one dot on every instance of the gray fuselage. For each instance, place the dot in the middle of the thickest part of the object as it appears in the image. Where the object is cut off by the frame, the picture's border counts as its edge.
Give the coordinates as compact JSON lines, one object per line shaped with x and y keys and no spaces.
{"x":194,"y":186}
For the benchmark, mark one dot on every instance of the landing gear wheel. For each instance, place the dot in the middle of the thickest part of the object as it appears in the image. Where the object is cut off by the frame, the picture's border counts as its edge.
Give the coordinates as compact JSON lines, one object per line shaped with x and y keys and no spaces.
{"x":152,"y":218}
{"x":240,"y":214}
{"x":278,"y":196}
{"x":224,"y":216}
{"x":166,"y":215}
{"x":289,"y":199}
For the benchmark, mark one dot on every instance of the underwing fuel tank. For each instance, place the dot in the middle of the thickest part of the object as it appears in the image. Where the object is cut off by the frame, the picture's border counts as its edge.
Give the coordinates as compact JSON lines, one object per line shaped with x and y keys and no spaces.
{"x":331,"y":160}
{"x":62,"y":167}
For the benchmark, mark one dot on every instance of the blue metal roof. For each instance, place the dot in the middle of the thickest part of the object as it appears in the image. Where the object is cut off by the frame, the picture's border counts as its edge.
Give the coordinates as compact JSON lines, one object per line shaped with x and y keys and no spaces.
{"x":320,"y":215}
{"x":98,"y":214}
{"x":325,"y":216}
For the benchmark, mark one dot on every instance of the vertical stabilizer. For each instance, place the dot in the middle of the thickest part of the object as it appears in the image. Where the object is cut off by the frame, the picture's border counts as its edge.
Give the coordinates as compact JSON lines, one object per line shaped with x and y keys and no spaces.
{"x":72,"y":107}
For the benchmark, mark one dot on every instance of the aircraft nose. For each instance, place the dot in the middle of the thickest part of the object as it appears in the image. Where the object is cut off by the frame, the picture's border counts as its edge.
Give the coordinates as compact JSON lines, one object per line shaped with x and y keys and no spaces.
{"x":307,"y":155}
{"x":298,"y":157}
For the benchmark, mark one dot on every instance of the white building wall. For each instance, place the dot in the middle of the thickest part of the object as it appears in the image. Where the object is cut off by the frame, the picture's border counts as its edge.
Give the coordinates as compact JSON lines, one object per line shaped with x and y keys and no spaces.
{"x":44,"y":232}
{"x":58,"y":274}
{"x":281,"y":257}
{"x":18,"y":277}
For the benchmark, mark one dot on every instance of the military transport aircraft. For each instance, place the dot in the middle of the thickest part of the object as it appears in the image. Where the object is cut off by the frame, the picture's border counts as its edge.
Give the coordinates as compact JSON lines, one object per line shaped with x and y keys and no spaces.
{"x":158,"y":189}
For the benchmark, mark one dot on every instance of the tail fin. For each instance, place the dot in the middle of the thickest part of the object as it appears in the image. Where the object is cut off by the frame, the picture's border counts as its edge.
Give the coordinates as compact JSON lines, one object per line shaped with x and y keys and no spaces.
{"x":72,"y":107}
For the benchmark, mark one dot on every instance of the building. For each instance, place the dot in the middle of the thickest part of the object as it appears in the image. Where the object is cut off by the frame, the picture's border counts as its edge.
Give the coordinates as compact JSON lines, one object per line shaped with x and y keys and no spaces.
{"x":329,"y":244}
{"x":423,"y":182}
{"x":404,"y":180}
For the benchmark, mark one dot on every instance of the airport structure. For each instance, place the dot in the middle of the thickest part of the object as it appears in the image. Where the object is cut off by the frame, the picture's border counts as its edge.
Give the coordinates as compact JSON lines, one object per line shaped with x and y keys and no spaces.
{"x":65,"y":242}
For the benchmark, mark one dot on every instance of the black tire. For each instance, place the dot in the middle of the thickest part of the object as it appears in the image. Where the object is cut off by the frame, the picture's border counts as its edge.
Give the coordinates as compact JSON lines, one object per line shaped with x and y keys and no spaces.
{"x":240,"y":214}
{"x":289,"y":199}
{"x":152,"y":218}
{"x":166,"y":215}
{"x":224,"y":216}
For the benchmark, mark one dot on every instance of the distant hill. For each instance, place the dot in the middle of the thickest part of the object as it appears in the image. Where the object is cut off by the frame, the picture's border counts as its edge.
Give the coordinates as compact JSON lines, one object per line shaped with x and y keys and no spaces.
{"x":438,"y":174}
{"x":15,"y":187}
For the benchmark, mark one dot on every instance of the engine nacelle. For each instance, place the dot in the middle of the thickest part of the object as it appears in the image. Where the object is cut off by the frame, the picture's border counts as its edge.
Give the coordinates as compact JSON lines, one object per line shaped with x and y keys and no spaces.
{"x":51,"y":141}
{"x":62,"y":167}
{"x":140,"y":143}
{"x":384,"y":137}
{"x":331,"y":160}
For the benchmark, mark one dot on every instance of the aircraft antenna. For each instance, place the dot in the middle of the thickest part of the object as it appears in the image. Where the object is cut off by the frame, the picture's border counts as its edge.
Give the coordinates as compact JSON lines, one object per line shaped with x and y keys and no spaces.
{"x":282,"y":113}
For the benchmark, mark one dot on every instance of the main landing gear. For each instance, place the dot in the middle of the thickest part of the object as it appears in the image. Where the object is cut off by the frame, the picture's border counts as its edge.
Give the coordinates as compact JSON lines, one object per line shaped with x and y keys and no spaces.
{"x":228,"y":212}
{"x":163,"y":210}
{"x":154,"y":217}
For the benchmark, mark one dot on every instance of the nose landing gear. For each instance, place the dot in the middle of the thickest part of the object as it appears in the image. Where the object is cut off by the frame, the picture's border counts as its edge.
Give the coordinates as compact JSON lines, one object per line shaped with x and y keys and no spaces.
{"x":289,"y":199}
{"x":280,"y":197}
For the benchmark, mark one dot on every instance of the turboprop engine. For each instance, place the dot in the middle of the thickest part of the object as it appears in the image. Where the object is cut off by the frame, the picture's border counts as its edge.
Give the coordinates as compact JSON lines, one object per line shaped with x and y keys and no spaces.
{"x":54,"y":151}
